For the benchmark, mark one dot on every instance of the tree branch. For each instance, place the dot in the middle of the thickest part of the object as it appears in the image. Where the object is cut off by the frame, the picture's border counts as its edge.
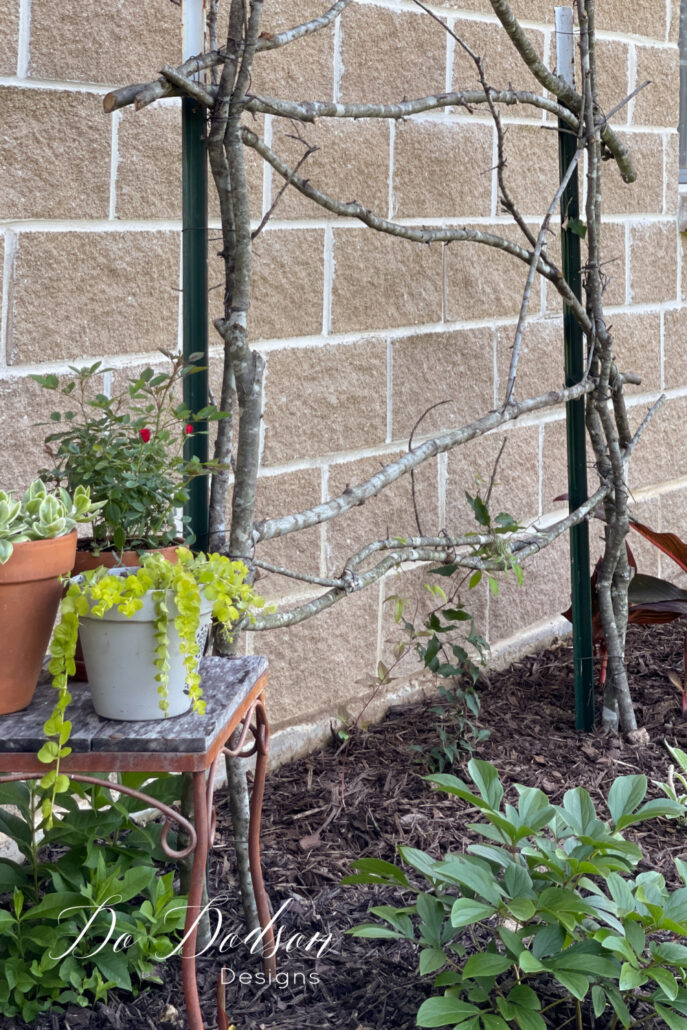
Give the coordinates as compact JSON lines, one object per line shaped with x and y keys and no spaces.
{"x":352,"y":496}
{"x":353,"y":209}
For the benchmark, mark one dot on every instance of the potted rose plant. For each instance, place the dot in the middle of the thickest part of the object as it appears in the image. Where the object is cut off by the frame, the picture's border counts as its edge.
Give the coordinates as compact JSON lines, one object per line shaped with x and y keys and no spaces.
{"x":37,"y":546}
{"x":129,"y":449}
{"x":143,"y":630}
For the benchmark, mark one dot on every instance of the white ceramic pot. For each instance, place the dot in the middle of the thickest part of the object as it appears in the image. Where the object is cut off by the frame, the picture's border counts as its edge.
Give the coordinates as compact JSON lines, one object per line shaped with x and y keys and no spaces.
{"x":119,"y":652}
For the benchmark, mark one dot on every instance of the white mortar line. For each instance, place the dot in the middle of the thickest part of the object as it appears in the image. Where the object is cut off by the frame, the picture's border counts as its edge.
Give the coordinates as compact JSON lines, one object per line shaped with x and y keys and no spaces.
{"x":107,"y":384}
{"x":328,"y":280}
{"x":24,"y":38}
{"x":267,"y":168}
{"x":679,"y":268}
{"x":669,"y":18}
{"x":664,"y":199}
{"x":389,"y":389}
{"x":57,"y":85}
{"x":661,"y":351}
{"x":114,"y":162}
{"x":337,"y":61}
{"x":10,"y":250}
{"x":495,"y":365}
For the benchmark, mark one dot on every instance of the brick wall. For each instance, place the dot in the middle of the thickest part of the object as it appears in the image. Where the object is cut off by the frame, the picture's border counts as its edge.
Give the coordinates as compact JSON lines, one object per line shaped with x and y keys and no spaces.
{"x":361,"y":333}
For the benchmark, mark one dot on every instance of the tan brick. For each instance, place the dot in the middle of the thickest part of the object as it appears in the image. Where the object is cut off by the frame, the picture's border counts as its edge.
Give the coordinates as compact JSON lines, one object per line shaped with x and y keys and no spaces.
{"x":286,"y":292}
{"x":299,"y":552}
{"x":2,"y":271}
{"x":25,"y":419}
{"x":79,"y":294}
{"x":303,"y":69}
{"x":316,"y":665}
{"x":435,"y":367}
{"x":661,"y":453}
{"x":544,"y":594}
{"x":380,"y":281}
{"x":432,"y":177}
{"x":352,"y":163}
{"x":516,"y":486}
{"x":674,"y":27}
{"x":532,"y":181}
{"x":387,"y":56}
{"x":9,"y":37}
{"x":642,"y":18}
{"x":653,"y":262}
{"x":637,"y":344}
{"x":151,"y":31}
{"x":483,"y":281}
{"x":555,"y":467}
{"x":390,"y":513}
{"x":540,"y":364}
{"x":612,"y":266}
{"x":645,"y":196}
{"x":149,"y":163}
{"x":411,"y":586}
{"x":613,"y":78}
{"x":659,"y":102}
{"x":674,"y":350}
{"x":68,"y":130}
{"x":320,"y":400}
{"x":503,"y":66}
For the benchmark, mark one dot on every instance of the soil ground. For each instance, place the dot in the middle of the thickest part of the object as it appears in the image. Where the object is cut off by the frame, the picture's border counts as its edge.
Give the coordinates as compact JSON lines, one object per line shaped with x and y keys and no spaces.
{"x":364,"y":800}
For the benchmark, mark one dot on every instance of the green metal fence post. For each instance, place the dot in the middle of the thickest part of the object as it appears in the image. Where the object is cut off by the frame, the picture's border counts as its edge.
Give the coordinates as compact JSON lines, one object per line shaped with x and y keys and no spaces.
{"x":575,"y":423}
{"x":195,"y":301}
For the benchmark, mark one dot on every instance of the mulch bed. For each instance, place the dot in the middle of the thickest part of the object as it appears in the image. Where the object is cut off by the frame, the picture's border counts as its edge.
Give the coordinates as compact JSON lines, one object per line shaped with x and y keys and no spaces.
{"x":363,"y":801}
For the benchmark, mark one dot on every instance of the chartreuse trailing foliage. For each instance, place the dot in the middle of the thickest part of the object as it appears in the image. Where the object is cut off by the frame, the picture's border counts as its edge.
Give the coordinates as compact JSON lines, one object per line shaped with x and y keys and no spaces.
{"x":98,"y":916}
{"x":554,"y":894}
{"x":178,"y":586}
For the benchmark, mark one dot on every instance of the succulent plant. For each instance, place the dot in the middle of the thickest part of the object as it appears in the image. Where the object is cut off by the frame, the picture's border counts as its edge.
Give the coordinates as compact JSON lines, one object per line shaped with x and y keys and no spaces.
{"x":41,"y":515}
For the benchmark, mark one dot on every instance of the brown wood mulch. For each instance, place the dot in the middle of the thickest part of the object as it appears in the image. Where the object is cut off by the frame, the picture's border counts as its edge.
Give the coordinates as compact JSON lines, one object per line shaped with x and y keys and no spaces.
{"x":364,"y":800}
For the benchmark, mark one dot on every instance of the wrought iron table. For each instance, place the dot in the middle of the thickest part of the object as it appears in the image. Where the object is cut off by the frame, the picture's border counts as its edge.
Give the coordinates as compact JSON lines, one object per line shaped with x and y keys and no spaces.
{"x":234,"y":691}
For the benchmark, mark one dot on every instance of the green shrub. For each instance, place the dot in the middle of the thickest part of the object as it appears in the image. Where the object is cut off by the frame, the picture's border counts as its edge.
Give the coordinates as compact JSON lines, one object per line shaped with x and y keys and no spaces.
{"x":559,"y":909}
{"x":103,"y":885}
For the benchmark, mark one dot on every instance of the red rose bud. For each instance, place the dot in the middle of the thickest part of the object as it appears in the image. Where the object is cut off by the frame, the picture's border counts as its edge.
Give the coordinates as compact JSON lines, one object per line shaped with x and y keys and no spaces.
{"x":189,"y":429}
{"x":144,"y":434}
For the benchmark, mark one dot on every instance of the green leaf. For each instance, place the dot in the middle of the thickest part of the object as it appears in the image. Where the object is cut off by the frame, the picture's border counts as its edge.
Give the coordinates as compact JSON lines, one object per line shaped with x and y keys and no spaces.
{"x":490,"y":1022}
{"x":431,"y":959}
{"x":529,"y":963}
{"x":598,"y":1000}
{"x":665,"y":980}
{"x":671,"y":1018}
{"x":576,"y":983}
{"x":625,"y":794}
{"x":486,"y":779}
{"x":486,"y":963}
{"x":466,"y":911}
{"x":631,"y":977}
{"x":521,"y":909}
{"x":444,"y":1011}
{"x":372,"y":930}
{"x":651,"y":810}
{"x":375,"y":870}
{"x":481,"y":881}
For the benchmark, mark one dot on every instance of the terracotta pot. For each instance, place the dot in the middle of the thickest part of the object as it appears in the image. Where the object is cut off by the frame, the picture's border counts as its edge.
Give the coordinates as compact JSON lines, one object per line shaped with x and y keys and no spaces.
{"x":87,"y":560}
{"x":30,"y":593}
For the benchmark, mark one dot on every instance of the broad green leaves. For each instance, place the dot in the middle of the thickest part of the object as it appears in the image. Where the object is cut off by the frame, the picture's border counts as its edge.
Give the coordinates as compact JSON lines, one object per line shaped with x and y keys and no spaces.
{"x":552,"y":888}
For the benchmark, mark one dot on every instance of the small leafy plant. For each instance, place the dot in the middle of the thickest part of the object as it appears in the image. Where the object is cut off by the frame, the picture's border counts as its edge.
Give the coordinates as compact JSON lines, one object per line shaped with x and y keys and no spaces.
{"x":95,"y":916}
{"x":546,"y":912}
{"x":41,"y":515}
{"x":129,"y":449}
{"x":181,"y":585}
{"x":670,"y":789}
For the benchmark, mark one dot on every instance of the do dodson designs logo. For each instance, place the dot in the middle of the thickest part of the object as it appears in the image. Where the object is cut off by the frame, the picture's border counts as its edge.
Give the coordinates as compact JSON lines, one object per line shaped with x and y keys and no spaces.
{"x":221,"y":942}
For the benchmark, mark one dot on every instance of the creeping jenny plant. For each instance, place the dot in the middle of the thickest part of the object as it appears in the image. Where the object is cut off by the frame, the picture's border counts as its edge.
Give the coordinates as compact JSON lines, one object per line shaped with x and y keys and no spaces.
{"x":183,"y":584}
